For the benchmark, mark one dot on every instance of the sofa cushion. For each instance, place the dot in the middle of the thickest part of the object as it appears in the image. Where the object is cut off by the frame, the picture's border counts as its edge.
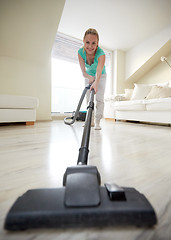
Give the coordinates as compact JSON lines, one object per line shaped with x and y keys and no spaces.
{"x":161,"y":104}
{"x":140,"y":91}
{"x":132,"y":105}
{"x":12,"y":101}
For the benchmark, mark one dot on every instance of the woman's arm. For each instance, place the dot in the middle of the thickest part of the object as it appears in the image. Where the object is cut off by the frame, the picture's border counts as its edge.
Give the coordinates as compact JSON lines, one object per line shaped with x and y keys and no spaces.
{"x":100,"y":66}
{"x":82,"y":66}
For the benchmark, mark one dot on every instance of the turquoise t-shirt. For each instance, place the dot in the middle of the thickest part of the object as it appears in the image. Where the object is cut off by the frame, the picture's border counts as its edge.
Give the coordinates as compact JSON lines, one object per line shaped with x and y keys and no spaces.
{"x":91,"y":69}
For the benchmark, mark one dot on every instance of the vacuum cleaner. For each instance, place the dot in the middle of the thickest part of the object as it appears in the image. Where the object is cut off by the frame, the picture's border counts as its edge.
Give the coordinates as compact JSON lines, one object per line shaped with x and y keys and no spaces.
{"x":81,"y":201}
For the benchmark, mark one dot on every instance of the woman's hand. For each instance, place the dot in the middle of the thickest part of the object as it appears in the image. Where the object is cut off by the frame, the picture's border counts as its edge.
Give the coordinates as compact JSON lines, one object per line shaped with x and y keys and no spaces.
{"x":94,"y":86}
{"x":91,"y":79}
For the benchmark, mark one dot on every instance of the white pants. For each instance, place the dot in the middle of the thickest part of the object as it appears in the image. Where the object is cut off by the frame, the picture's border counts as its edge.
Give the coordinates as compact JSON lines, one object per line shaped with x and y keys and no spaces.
{"x":99,"y":97}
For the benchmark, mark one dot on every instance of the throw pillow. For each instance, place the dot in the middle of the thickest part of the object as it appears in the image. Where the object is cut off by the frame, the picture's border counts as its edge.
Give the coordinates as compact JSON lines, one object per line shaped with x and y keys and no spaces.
{"x":140,"y":91}
{"x":128,"y":94}
{"x":119,"y":98}
{"x":165,"y":84}
{"x":169,"y":83}
{"x":159,"y":92}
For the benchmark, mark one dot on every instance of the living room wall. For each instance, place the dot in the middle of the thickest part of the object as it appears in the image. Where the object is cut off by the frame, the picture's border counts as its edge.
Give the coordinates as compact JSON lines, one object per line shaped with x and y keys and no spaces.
{"x":158,"y":74}
{"x":140,"y":54}
{"x":142,"y":63}
{"x":27,"y":30}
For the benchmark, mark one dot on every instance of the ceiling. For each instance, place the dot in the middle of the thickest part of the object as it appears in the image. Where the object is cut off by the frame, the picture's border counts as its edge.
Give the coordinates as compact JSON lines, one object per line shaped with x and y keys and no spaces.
{"x":122,"y":24}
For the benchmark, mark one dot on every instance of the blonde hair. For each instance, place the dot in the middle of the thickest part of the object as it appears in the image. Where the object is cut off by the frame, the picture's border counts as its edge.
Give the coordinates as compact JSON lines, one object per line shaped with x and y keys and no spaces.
{"x":93,"y":32}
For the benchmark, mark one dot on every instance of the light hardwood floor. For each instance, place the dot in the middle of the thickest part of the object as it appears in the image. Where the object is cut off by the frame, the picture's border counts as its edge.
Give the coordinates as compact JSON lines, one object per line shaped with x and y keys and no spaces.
{"x":129,"y":154}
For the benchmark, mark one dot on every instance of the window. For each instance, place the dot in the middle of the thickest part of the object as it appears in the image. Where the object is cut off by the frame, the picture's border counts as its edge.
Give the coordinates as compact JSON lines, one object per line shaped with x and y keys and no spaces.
{"x":67,"y":80}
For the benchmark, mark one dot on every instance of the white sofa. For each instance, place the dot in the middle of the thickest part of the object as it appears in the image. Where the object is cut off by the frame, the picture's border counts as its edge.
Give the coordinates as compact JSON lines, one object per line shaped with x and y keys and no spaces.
{"x":144,"y":103}
{"x":18,"y":109}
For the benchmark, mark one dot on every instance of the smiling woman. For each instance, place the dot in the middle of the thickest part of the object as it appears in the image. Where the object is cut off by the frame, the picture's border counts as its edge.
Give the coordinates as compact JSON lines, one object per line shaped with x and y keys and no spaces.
{"x":66,"y":77}
{"x":92,"y":63}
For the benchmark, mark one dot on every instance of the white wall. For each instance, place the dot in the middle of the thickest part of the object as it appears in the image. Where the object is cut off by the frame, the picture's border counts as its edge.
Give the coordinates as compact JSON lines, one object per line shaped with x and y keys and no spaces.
{"x":134,"y":64}
{"x":138,"y":55}
{"x":27,"y":33}
{"x":119,"y":71}
{"x":160,"y":73}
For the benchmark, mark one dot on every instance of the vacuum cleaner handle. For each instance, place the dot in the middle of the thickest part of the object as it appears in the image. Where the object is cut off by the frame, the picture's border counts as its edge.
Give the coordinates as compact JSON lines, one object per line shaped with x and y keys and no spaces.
{"x":73,"y":118}
{"x":83,"y":151}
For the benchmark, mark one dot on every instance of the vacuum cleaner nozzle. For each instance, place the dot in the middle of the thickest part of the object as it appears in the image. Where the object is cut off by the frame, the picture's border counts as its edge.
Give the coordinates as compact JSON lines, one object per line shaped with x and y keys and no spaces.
{"x":81,"y":202}
{"x":45,"y":208}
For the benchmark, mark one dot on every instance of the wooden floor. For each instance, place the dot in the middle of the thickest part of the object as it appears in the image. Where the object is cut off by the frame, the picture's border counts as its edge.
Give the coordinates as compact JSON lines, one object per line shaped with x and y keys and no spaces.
{"x":129,"y":154}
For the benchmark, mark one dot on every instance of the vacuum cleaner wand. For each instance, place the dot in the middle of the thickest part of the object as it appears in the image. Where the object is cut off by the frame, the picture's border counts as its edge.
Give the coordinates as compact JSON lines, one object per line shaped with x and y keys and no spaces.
{"x":82,"y":201}
{"x":83,"y":151}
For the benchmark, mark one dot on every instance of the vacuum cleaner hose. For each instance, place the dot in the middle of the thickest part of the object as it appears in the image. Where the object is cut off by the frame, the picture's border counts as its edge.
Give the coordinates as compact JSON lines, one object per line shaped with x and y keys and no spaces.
{"x":73,"y":118}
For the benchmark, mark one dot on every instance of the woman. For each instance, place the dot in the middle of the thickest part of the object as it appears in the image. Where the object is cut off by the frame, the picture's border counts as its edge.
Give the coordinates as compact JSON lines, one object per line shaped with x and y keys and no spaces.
{"x":92,"y":62}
